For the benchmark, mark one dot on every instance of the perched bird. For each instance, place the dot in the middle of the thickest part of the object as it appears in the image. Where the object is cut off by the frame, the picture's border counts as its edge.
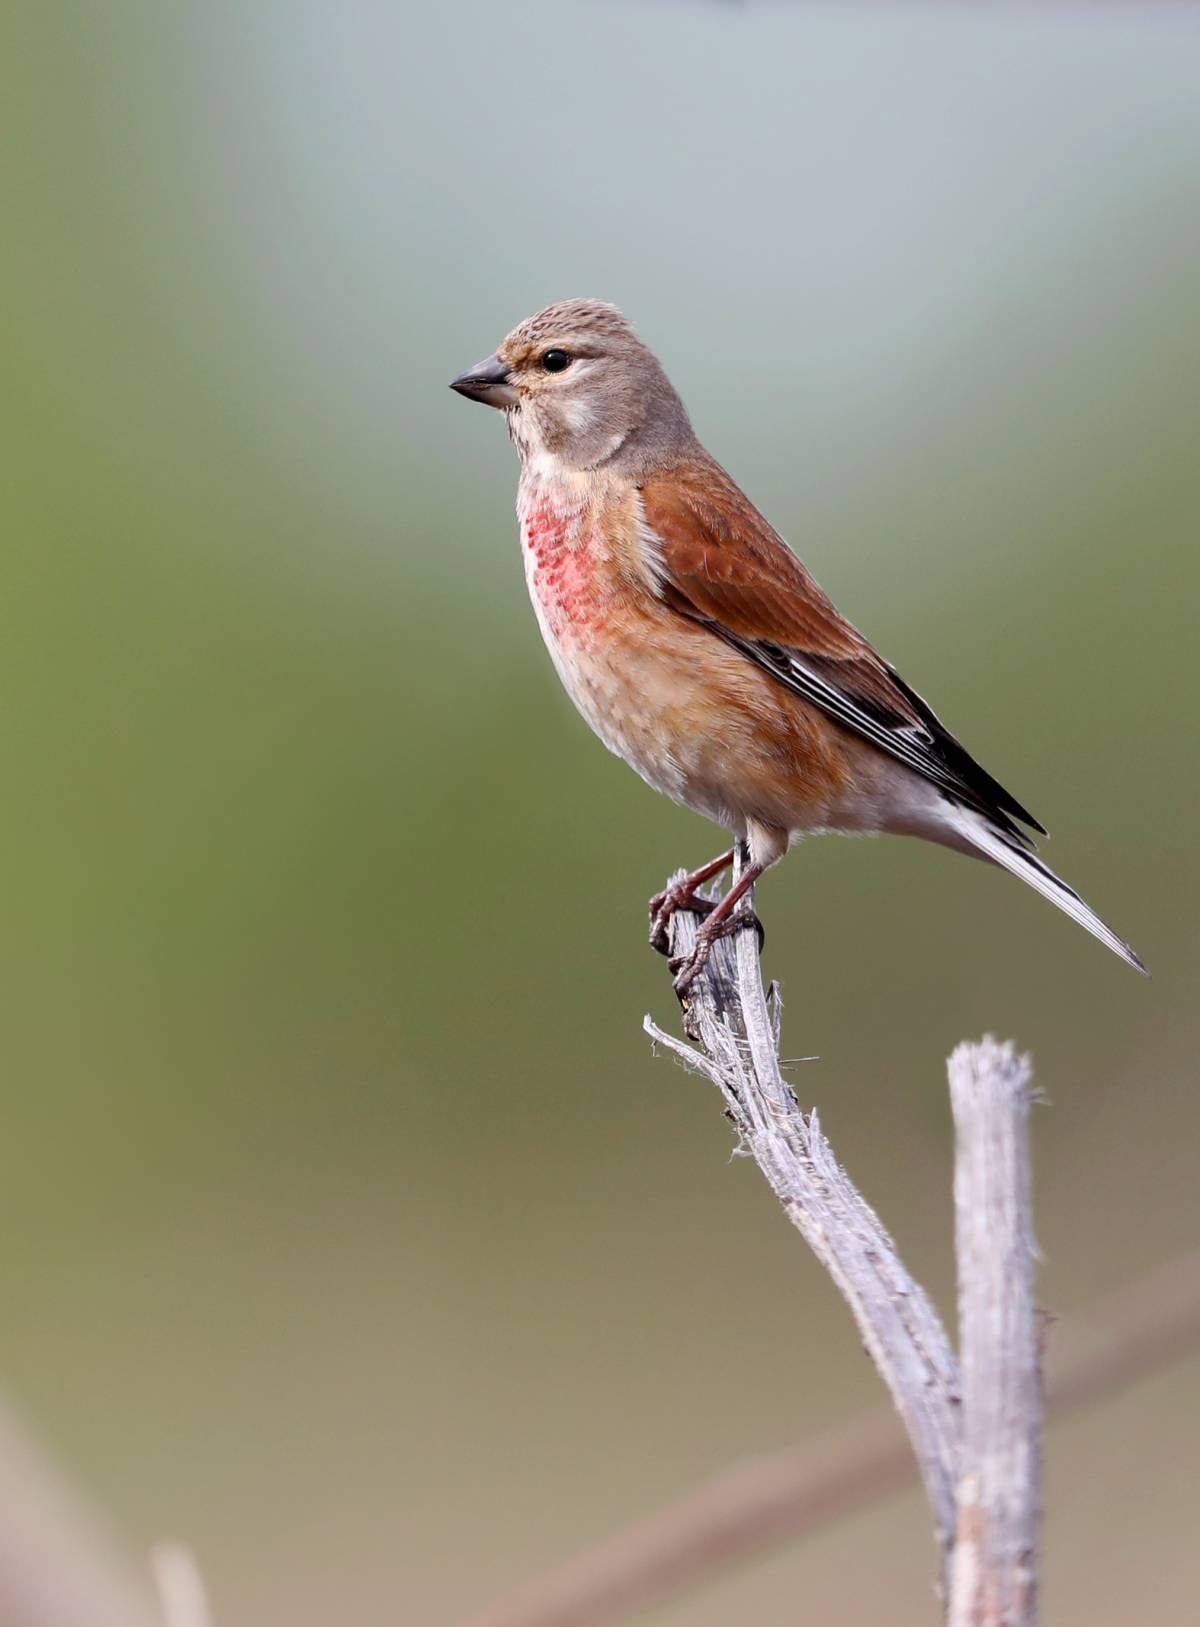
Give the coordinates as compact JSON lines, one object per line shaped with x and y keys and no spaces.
{"x":698,"y":646}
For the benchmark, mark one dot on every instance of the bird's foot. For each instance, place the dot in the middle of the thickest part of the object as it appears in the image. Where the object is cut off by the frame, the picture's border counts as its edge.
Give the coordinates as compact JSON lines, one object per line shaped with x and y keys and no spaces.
{"x":686,"y":969}
{"x":681,"y":894}
{"x":663,"y":906}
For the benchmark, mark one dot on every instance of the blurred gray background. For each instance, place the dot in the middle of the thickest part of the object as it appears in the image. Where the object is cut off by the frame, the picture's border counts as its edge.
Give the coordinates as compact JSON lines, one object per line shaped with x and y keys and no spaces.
{"x":347,"y":1228}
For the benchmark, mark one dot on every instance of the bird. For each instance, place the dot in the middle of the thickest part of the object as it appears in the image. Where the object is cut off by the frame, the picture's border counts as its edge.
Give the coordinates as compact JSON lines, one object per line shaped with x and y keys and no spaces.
{"x":700,"y":648}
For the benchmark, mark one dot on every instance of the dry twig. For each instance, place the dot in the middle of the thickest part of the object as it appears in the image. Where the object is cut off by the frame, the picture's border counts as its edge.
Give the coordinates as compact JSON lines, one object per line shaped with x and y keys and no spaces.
{"x":728,"y":1011}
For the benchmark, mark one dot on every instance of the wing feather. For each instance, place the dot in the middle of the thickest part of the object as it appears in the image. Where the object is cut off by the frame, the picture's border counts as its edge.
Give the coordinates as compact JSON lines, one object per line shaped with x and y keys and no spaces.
{"x":725,"y":567}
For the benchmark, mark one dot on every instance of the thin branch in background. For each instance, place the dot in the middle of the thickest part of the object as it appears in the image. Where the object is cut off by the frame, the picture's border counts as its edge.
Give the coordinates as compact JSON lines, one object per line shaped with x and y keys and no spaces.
{"x":995,"y":1568}
{"x":180,"y":1585}
{"x":59,"y":1566}
{"x":743,"y":1510}
{"x":1130,"y":1334}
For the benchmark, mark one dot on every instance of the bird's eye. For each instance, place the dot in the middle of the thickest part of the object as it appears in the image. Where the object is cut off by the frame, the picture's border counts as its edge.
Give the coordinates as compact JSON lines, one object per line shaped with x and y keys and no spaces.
{"x":556,"y":361}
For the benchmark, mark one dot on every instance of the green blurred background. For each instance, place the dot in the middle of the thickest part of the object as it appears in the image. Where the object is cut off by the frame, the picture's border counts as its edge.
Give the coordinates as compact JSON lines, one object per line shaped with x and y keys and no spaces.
{"x":347,"y":1227}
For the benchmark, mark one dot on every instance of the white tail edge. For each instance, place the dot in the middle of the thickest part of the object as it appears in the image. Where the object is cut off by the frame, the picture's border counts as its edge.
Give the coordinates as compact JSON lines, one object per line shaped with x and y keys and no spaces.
{"x":982,"y":836}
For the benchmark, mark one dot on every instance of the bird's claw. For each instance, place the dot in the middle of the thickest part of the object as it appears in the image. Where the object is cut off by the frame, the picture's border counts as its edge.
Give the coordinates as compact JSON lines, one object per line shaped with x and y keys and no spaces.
{"x":685,"y":969}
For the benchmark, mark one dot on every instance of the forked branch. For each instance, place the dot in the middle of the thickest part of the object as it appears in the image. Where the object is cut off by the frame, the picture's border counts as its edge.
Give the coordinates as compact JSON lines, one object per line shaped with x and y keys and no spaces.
{"x":1136,"y":1330}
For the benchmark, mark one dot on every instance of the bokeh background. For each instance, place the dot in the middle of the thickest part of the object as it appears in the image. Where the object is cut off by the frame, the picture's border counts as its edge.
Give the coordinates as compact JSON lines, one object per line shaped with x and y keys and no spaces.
{"x":347,"y":1227}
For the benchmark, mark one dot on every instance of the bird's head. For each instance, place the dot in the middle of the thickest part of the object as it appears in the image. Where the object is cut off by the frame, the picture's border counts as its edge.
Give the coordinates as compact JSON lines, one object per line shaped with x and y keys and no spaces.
{"x":581,"y":389}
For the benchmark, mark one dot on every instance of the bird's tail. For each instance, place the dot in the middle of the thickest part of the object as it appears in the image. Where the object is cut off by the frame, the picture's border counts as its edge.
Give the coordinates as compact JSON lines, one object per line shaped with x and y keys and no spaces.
{"x":977,"y":833}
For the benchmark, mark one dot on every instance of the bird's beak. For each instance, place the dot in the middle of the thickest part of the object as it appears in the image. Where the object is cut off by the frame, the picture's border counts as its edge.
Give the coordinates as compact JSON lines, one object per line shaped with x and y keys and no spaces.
{"x":488,"y":381}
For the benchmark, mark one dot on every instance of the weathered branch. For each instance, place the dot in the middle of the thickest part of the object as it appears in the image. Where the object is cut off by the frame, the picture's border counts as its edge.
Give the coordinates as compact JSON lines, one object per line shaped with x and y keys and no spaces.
{"x":738,"y":1030}
{"x":994,"y":1572}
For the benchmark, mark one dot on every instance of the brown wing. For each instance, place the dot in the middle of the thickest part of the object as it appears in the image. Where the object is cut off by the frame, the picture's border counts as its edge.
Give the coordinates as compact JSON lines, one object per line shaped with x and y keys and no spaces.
{"x":726,"y":568}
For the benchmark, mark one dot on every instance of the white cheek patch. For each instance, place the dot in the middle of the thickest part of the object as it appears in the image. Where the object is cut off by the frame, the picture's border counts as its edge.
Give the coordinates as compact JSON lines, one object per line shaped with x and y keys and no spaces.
{"x":577,"y":414}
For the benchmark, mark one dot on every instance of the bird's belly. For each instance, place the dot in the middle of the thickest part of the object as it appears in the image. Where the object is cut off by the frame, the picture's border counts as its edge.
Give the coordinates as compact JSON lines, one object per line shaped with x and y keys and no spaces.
{"x":625,"y":705}
{"x":672,"y":702}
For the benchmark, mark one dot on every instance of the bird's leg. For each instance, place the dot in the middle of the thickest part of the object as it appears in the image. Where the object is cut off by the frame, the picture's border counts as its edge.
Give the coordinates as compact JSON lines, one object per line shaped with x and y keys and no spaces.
{"x":724,"y":919}
{"x":680,"y":895}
